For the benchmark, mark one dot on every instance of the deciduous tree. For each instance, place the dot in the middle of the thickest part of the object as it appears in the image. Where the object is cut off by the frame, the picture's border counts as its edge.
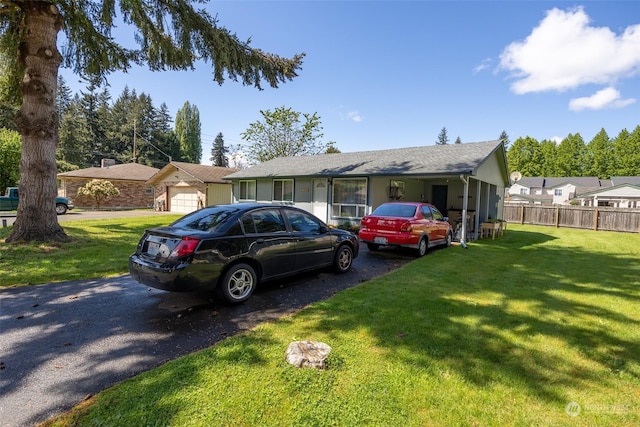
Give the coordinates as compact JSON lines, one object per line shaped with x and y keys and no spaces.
{"x":188,"y":132}
{"x":284,"y":133}
{"x":99,"y":190}
{"x":170,"y":35}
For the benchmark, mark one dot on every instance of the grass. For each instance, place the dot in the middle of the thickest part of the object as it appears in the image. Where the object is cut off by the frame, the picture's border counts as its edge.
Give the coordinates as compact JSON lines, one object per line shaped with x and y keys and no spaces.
{"x":515,"y":331}
{"x":100,"y":248}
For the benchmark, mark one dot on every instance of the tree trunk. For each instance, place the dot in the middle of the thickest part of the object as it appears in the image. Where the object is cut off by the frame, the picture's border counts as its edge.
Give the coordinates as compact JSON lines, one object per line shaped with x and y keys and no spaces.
{"x":37,"y":122}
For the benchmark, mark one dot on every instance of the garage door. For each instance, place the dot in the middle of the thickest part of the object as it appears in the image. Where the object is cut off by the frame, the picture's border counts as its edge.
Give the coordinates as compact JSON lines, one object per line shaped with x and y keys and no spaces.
{"x":183,"y":199}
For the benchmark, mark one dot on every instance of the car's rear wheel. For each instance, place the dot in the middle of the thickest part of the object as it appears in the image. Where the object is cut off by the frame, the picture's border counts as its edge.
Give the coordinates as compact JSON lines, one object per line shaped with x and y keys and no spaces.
{"x":61,"y":208}
{"x":373,"y":247}
{"x":238,"y":283}
{"x":422,"y":246}
{"x":344,"y":259}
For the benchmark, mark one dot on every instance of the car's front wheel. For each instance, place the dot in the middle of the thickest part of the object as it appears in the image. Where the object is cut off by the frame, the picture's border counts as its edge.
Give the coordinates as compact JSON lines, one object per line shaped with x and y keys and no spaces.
{"x":449,"y":239}
{"x":238,"y":283}
{"x":61,"y":209}
{"x":344,"y":259}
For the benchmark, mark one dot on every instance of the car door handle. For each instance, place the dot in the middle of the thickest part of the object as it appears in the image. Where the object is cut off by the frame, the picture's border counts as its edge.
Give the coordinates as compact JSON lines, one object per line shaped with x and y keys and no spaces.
{"x":259,"y":241}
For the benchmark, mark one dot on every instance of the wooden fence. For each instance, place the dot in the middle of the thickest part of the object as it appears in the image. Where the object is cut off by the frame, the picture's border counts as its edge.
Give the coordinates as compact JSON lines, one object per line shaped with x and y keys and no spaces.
{"x":593,"y":218}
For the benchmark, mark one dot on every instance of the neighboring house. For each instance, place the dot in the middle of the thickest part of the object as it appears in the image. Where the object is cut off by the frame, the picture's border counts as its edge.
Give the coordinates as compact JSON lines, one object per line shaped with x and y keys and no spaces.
{"x":186,"y":187}
{"x":618,"y":191}
{"x":129,"y":178}
{"x":623,"y":193}
{"x":344,"y":187}
{"x":552,"y":191}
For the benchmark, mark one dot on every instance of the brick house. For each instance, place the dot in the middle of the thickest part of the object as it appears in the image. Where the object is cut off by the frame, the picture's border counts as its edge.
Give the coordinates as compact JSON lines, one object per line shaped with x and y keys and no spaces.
{"x":129,"y":178}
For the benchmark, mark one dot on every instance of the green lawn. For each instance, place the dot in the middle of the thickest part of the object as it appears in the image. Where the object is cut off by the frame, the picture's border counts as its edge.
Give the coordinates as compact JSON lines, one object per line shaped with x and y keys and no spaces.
{"x":526,"y":330}
{"x":99,"y":248}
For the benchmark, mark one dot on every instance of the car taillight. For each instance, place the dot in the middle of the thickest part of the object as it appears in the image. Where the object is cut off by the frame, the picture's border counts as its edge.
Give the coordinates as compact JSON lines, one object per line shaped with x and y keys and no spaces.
{"x":405,"y":227}
{"x":186,"y":247}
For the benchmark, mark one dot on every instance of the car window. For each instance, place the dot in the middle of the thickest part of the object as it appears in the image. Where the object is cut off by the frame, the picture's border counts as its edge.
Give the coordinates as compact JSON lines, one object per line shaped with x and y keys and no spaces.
{"x":437,"y":215}
{"x":404,"y":211}
{"x":426,"y":212}
{"x":302,"y":222}
{"x":204,"y":220}
{"x":263,"y":221}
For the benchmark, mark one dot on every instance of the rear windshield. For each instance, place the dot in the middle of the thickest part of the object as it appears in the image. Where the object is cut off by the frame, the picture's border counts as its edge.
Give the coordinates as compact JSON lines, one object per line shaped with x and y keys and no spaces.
{"x":404,"y":211}
{"x":208,"y":219}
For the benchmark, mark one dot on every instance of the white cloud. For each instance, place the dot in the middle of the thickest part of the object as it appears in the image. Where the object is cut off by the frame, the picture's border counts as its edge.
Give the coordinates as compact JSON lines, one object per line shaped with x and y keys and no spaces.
{"x":355,"y":116}
{"x":564,"y":52}
{"x":483,"y":65}
{"x":605,"y":98}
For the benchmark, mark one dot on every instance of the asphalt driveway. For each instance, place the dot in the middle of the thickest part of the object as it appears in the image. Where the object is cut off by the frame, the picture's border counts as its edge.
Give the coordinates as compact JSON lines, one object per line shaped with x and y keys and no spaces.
{"x":63,"y":342}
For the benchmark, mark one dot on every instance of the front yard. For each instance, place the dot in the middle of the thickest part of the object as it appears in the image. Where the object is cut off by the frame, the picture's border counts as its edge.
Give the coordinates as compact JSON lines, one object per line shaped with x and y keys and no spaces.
{"x":538,"y":327}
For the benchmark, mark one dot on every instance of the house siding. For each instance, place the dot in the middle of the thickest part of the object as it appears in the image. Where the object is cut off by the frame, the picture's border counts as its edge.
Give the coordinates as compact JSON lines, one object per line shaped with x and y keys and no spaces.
{"x":133,"y":194}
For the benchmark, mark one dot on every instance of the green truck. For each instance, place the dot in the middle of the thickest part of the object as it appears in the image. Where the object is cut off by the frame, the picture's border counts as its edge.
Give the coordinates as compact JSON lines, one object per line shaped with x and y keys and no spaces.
{"x":9,"y":202}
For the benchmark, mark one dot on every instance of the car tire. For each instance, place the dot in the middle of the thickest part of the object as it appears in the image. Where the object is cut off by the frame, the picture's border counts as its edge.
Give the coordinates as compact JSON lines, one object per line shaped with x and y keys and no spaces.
{"x":373,"y":247}
{"x":61,"y":209}
{"x":238,"y":283}
{"x":423,"y":245}
{"x":343,"y":259}
{"x":449,"y":239}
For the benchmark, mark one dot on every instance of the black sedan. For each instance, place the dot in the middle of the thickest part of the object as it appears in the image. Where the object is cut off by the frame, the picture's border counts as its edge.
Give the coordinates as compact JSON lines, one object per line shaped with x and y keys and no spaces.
{"x":231,"y":248}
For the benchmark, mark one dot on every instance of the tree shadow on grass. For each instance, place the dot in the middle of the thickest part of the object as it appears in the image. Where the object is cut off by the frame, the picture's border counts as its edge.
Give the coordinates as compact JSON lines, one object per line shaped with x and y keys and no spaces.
{"x":479,"y":314}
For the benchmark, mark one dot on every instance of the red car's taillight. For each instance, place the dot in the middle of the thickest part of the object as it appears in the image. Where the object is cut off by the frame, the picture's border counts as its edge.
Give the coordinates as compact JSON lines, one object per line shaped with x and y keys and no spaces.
{"x":186,"y":247}
{"x":405,"y":227}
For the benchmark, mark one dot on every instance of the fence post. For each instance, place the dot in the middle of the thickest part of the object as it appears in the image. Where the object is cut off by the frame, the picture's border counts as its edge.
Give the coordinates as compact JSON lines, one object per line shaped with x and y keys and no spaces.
{"x":557,"y":214}
{"x":595,"y":220}
{"x":521,"y":214}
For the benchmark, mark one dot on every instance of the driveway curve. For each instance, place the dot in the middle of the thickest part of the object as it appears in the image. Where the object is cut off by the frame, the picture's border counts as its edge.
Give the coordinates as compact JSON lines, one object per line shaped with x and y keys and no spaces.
{"x":61,"y":343}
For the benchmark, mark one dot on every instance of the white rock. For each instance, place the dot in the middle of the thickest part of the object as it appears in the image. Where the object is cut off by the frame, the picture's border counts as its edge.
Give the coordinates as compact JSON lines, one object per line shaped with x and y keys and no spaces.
{"x":304,"y":354}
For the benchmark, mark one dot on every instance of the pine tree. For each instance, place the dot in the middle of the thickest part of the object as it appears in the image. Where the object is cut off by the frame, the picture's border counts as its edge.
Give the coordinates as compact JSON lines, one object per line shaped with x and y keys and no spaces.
{"x":219,"y":152}
{"x":443,"y":139}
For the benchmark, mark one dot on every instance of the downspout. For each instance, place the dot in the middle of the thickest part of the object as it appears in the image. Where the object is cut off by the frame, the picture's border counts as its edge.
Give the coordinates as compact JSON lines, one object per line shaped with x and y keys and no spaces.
{"x":465,"y":197}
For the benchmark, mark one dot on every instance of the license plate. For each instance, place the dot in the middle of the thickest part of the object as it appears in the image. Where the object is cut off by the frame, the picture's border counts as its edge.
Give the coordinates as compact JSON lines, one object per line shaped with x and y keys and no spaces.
{"x":380,"y":240}
{"x":153,"y":248}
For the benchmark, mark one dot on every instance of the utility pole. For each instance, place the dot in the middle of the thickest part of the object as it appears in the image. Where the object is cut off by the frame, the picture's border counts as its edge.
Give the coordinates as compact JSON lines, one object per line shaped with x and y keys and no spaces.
{"x":134,"y":141}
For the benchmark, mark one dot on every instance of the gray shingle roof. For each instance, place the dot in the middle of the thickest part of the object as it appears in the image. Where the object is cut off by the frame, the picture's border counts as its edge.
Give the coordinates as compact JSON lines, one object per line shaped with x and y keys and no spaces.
{"x":203,"y":173}
{"x":450,"y":159}
{"x":125,"y":172}
{"x":617,"y":180}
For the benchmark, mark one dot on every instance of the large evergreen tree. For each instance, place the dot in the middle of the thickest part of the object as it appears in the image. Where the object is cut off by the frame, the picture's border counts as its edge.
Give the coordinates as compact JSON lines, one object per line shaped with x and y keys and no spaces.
{"x":599,"y":155}
{"x":187,"y":128}
{"x":174,"y":36}
{"x":627,"y":153}
{"x":219,"y":152}
{"x":571,"y":156}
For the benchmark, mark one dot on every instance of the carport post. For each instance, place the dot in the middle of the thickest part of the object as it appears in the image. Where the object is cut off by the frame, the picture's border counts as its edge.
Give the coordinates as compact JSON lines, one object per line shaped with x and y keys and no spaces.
{"x":465,"y":197}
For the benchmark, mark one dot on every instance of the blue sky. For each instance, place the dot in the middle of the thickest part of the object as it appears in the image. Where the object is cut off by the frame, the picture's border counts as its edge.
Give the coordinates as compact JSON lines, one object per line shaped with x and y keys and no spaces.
{"x":390,"y":74}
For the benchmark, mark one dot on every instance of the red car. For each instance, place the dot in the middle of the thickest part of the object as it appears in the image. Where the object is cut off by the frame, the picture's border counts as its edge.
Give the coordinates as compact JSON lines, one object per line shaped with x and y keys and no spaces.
{"x":408,"y":224}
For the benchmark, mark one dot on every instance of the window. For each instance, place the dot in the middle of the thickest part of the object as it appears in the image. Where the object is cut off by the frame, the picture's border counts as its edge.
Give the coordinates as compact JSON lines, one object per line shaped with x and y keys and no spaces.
{"x":283,"y":190}
{"x":303,"y":223}
{"x":247,"y":190}
{"x":148,"y":190}
{"x":263,"y":221}
{"x":349,"y":197}
{"x":557,"y":192}
{"x":524,"y":191}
